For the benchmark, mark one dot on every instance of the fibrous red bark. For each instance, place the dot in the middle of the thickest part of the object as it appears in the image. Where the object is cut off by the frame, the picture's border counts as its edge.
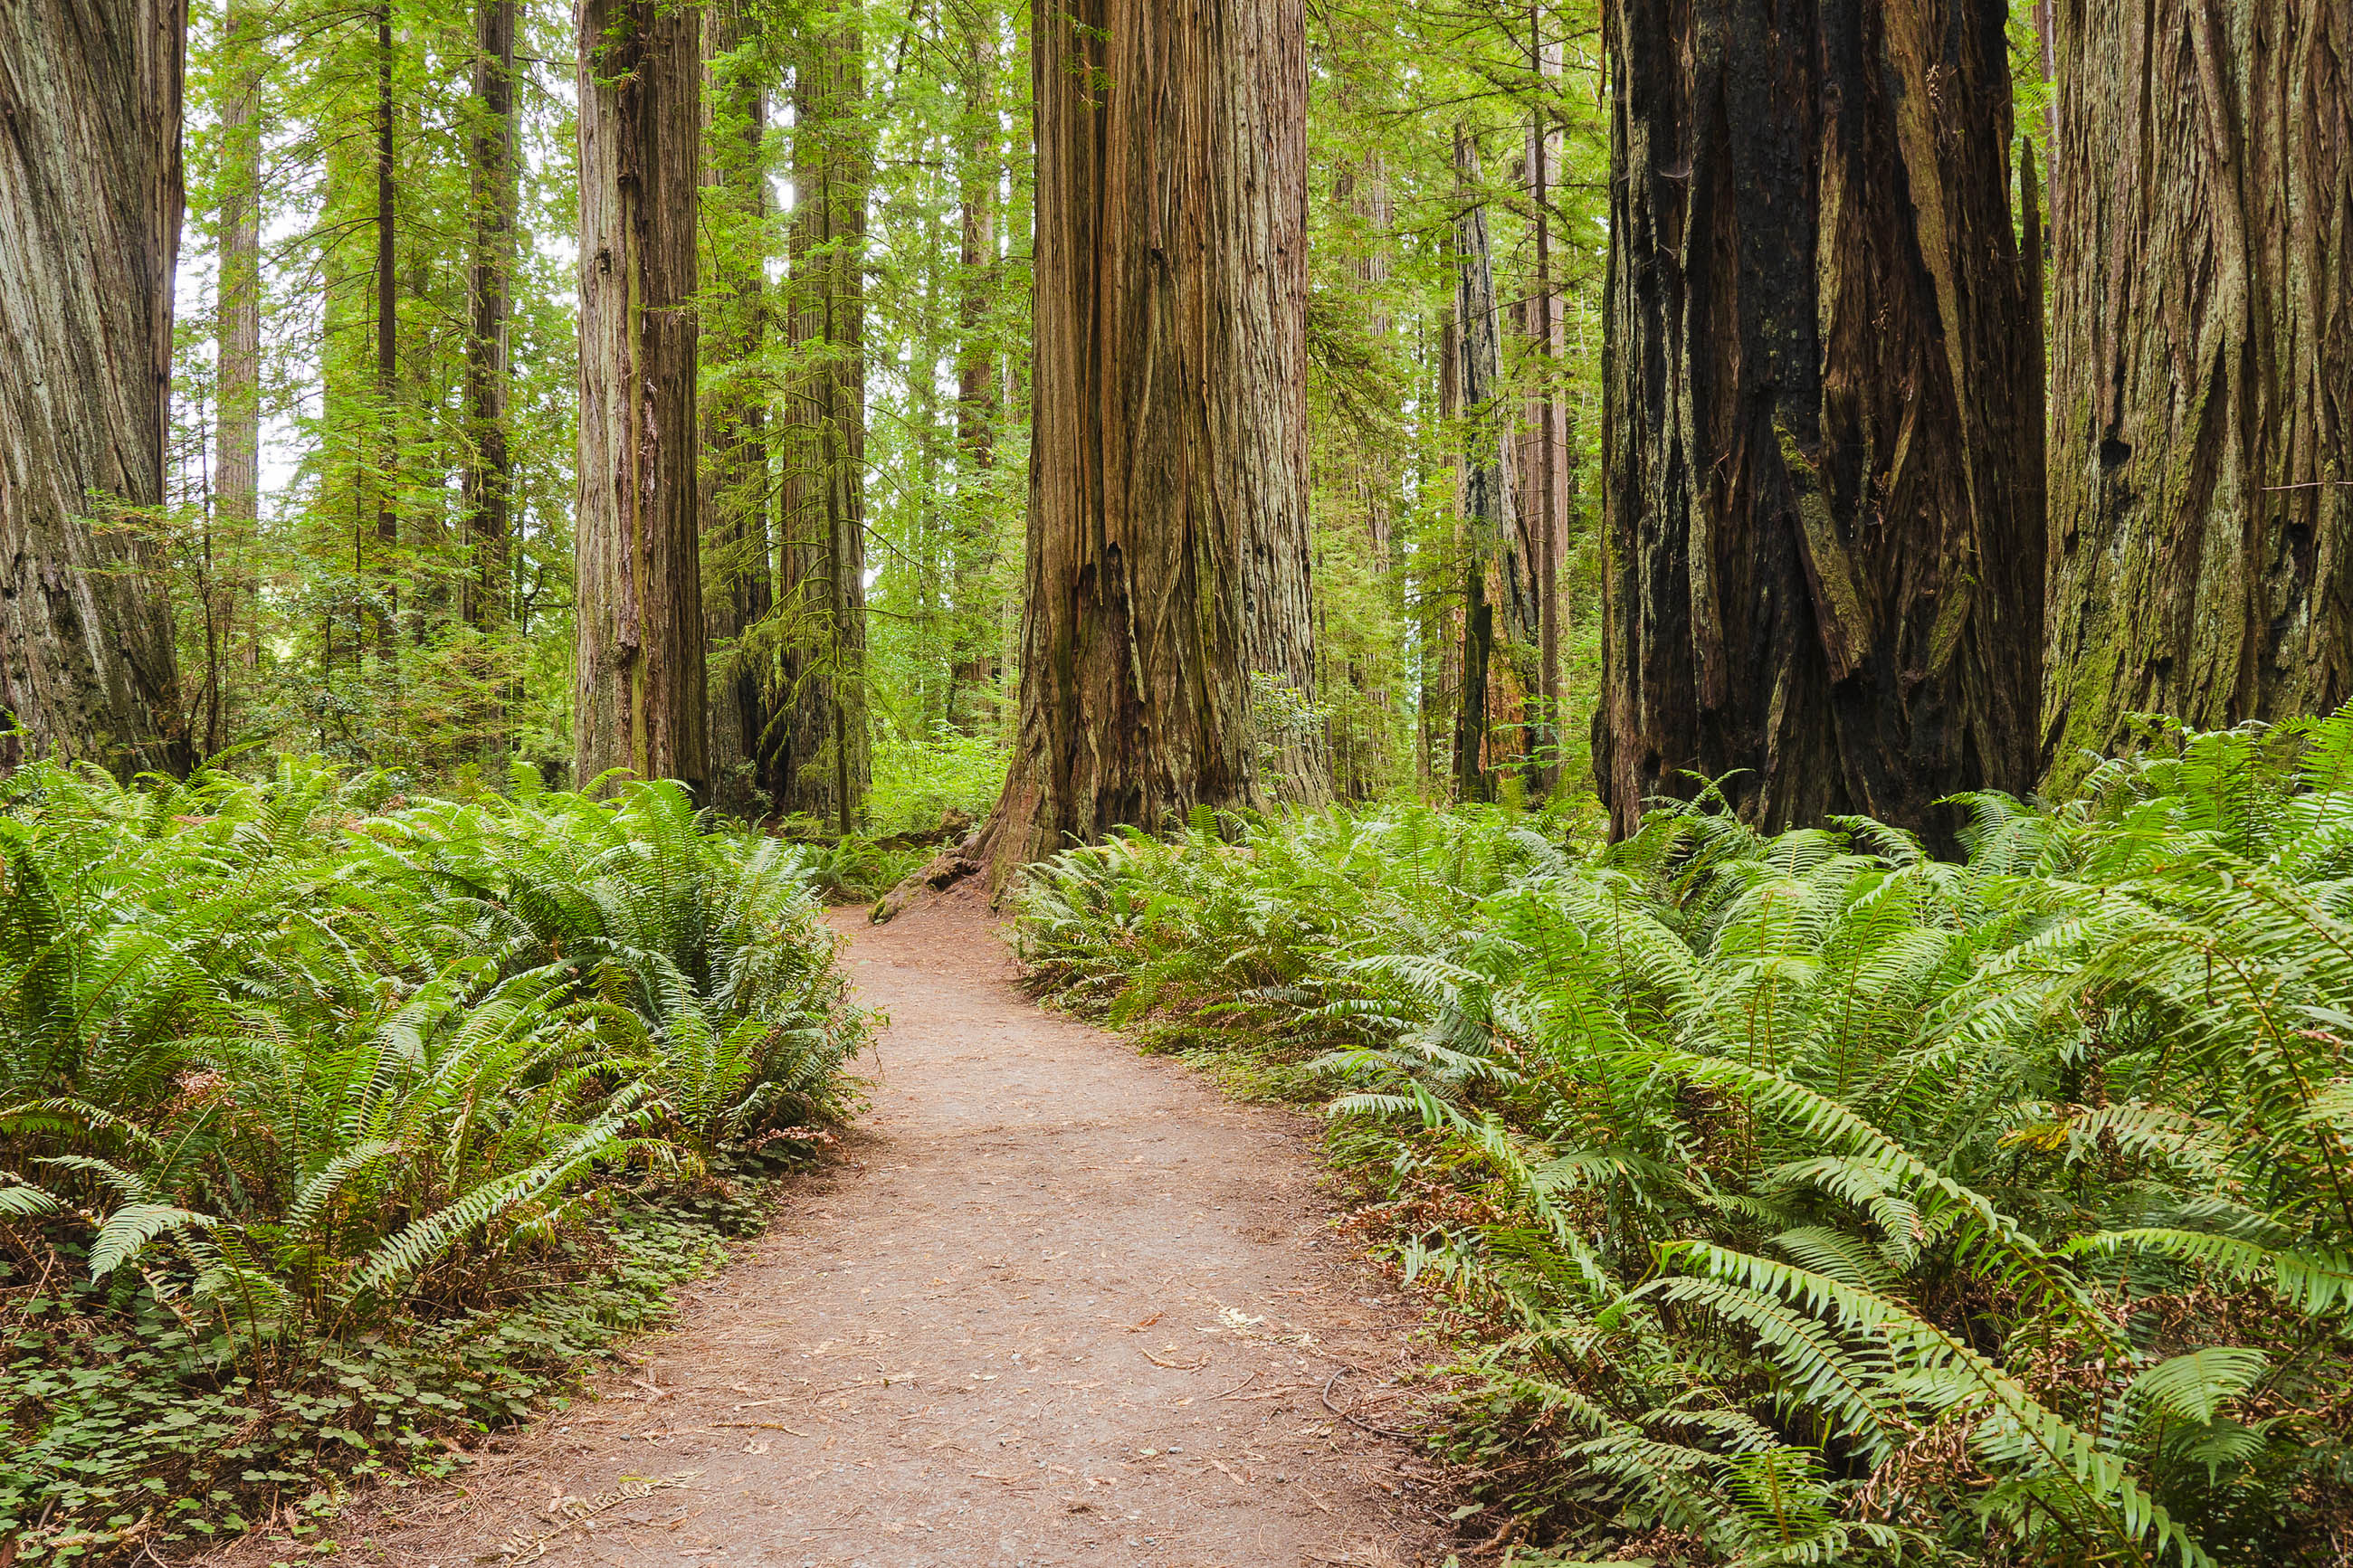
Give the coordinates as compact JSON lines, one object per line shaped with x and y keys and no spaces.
{"x":89,"y":229}
{"x":1167,"y":625}
{"x":638,"y":659}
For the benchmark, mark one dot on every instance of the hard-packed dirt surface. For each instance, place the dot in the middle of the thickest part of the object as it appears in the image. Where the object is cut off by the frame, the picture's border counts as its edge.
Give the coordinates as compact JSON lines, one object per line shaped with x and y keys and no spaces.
{"x":1058,"y":1304}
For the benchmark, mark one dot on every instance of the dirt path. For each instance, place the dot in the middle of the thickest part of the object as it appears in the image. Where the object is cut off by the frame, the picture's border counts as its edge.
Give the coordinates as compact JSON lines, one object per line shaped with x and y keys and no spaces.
{"x":1062,"y":1305}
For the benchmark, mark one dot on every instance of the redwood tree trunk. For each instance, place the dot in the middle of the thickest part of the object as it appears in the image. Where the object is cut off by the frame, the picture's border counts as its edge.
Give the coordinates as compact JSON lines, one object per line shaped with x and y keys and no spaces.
{"x":236,"y":470}
{"x":90,"y":230}
{"x":823,"y":762}
{"x":983,"y":165}
{"x":1823,"y":438}
{"x":2201,"y":482}
{"x":1168,"y":555}
{"x":387,"y":353}
{"x":488,"y":477}
{"x":639,"y":660}
{"x":1495,"y":574}
{"x":1551,"y":529}
{"x":739,"y":589}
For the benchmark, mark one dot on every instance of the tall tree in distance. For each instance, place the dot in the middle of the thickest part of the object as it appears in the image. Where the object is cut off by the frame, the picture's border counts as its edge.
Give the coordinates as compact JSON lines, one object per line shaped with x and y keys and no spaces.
{"x":89,"y":229}
{"x":739,"y":586}
{"x":823,"y":765}
{"x":1549,"y":491}
{"x":1167,"y":556}
{"x":237,"y":476}
{"x":1823,"y":438}
{"x":1493,"y":557}
{"x":638,"y":659}
{"x":2201,"y":476}
{"x":982,"y":165}
{"x":387,"y":456}
{"x":491,"y":198}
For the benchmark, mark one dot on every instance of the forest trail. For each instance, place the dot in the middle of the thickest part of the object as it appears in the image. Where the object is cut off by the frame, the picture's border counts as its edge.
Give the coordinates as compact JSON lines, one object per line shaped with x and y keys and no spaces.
{"x":1058,"y":1304}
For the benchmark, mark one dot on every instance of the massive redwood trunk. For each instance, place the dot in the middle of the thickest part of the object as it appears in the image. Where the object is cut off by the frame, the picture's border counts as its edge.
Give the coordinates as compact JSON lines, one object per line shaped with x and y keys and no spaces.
{"x":2201,"y":482}
{"x":1167,"y":559}
{"x":1823,"y":437}
{"x":90,"y":231}
{"x":639,"y":659}
{"x":823,"y":759}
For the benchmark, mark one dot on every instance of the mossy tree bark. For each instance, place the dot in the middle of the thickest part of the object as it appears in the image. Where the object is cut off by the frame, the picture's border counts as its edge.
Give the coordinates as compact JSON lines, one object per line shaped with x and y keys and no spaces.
{"x":638,"y":657}
{"x":1168,"y":555}
{"x":90,"y":230}
{"x":2202,"y":484}
{"x":1822,"y":406}
{"x":823,"y":760}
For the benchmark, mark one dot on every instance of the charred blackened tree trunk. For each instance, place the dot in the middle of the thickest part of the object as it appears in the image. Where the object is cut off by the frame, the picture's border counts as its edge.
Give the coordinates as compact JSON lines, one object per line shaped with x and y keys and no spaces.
{"x":1168,"y":558}
{"x":823,"y":759}
{"x":2201,"y":476}
{"x":639,"y":660}
{"x":488,"y":476}
{"x":739,"y":588}
{"x":90,"y":230}
{"x":1823,"y":439}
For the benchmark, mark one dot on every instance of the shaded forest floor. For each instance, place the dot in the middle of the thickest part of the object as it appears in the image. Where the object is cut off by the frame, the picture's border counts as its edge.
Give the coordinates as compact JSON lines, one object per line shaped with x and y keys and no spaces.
{"x":1057,"y":1304}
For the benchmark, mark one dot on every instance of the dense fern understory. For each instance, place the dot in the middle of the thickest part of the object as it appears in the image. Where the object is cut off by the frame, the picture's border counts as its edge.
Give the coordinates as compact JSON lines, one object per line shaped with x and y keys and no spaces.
{"x":1805,"y":1198}
{"x":335,"y":1128}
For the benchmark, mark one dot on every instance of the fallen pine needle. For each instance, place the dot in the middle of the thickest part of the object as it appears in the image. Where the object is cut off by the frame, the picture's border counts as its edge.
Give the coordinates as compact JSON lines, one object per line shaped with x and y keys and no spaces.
{"x":1237,"y":1387}
{"x":766,"y":1426}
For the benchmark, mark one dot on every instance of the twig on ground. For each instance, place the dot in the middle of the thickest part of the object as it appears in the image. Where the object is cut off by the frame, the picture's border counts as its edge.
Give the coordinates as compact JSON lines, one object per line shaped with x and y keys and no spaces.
{"x":1364,"y":1426}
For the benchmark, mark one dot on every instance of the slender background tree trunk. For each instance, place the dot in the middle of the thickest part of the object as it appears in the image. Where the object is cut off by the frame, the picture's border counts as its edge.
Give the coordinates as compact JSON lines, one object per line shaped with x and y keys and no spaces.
{"x":489,"y":477}
{"x":237,"y":472}
{"x":90,"y":231}
{"x":739,"y":587}
{"x":639,"y":663}
{"x":1823,"y":438}
{"x":1167,"y":559}
{"x":1493,"y":545}
{"x":823,"y":759}
{"x":2202,"y":484}
{"x":1551,"y":529}
{"x":973,"y":669}
{"x":387,"y":353}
